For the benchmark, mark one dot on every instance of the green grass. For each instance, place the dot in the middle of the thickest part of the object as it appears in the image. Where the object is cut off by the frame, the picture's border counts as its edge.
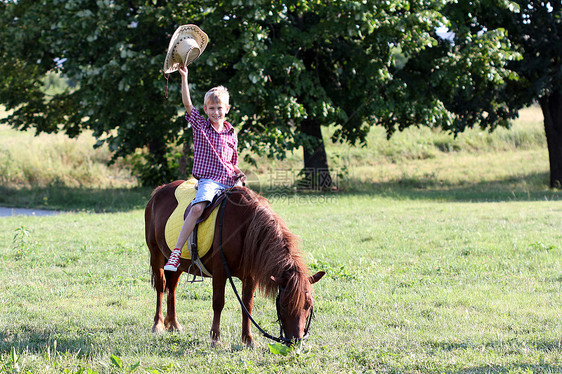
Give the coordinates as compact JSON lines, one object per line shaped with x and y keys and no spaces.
{"x":31,"y":160}
{"x":48,"y":159}
{"x":443,"y":256}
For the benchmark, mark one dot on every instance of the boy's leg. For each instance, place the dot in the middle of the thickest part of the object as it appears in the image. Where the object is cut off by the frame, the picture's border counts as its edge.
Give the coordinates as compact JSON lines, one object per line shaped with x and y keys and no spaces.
{"x":186,"y":229}
{"x":189,"y":223}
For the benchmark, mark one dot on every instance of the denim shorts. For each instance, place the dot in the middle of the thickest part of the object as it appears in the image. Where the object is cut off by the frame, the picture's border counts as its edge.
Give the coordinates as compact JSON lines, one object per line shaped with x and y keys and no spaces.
{"x":207,"y":189}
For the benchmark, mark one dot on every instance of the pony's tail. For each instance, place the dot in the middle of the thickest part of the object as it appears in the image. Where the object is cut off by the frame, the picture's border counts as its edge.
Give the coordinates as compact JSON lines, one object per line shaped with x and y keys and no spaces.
{"x":152,"y":277}
{"x":157,"y":276}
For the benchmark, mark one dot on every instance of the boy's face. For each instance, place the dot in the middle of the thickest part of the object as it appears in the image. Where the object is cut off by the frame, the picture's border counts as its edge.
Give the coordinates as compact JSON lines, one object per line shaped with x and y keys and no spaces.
{"x":216,"y":111}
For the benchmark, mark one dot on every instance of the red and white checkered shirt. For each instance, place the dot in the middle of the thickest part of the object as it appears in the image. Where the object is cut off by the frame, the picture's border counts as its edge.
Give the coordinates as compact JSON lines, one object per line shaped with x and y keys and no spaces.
{"x":215,"y":153}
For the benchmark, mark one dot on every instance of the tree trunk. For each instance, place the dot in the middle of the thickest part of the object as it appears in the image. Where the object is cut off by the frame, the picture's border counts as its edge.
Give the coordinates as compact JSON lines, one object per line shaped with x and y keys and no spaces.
{"x":551,"y":106}
{"x":316,"y":172}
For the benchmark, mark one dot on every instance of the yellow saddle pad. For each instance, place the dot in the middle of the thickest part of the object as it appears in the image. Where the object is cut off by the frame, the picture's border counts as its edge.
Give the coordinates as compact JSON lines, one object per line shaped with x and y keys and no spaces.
{"x":185,"y":193}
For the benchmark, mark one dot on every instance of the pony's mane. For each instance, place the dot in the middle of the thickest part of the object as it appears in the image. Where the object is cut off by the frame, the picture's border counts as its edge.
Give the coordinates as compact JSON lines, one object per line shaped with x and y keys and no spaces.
{"x":271,"y":249}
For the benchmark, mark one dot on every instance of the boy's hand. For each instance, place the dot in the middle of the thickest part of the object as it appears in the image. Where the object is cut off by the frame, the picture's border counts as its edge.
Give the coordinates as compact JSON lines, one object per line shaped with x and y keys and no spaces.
{"x":183,"y":70}
{"x":241,"y":177}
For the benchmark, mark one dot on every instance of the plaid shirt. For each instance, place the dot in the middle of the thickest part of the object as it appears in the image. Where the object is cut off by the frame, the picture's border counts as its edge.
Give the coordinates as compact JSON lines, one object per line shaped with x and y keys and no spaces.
{"x":215,"y":153}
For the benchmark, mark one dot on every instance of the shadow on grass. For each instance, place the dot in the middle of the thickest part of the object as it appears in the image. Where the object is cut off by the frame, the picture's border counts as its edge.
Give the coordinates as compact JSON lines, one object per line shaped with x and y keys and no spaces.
{"x":522,"y":187}
{"x":513,"y":369}
{"x":544,"y":346}
{"x":87,"y":342}
{"x":530,"y":187}
{"x":98,"y":200}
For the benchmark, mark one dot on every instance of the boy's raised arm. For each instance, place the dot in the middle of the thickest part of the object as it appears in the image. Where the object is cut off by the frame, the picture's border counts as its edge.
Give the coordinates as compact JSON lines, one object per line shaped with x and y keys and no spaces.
{"x":185,"y":96}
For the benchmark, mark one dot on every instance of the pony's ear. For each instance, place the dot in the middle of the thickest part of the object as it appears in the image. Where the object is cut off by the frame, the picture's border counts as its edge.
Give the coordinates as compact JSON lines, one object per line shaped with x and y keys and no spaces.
{"x":278,"y":281}
{"x":316,"y":277}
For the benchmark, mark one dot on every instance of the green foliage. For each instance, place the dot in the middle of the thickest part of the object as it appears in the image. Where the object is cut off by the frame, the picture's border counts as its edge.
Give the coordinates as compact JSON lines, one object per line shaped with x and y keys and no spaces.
{"x":453,"y":85}
{"x":21,"y":243}
{"x":279,"y":349}
{"x":20,"y":237}
{"x":11,"y":365}
{"x":118,"y":363}
{"x":332,"y":271}
{"x":533,"y":28}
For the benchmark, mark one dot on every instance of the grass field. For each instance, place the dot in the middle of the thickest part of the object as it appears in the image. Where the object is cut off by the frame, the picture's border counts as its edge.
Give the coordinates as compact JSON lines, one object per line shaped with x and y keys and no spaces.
{"x":443,"y":256}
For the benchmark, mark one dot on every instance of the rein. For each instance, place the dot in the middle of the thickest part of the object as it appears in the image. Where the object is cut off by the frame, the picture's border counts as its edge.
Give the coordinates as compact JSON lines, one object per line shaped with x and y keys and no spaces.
{"x":281,"y":338}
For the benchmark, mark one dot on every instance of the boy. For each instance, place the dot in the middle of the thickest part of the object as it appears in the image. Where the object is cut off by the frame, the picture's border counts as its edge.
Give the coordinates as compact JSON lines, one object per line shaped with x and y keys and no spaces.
{"x":215,"y":162}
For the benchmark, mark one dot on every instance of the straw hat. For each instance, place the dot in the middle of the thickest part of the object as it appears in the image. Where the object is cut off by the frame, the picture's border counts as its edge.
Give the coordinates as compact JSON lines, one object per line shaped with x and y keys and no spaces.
{"x":186,"y":45}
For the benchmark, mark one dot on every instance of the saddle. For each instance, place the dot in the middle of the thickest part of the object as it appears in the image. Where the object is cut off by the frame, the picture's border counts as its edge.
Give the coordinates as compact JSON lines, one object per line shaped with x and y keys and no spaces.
{"x":201,"y":240}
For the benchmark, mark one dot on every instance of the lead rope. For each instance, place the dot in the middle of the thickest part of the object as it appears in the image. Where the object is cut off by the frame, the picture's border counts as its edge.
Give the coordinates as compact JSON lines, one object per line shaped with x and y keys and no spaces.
{"x":280,"y":339}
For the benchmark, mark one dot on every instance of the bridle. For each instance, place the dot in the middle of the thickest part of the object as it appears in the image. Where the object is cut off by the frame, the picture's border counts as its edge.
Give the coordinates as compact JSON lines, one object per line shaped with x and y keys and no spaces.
{"x":281,"y":339}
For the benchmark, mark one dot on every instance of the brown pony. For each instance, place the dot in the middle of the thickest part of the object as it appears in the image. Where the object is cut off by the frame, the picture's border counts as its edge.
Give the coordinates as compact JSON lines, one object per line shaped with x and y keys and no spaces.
{"x":259,"y":250}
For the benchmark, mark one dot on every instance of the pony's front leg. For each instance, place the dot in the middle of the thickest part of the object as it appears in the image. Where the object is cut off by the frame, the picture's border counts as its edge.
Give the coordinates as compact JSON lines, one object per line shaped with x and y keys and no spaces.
{"x":219,"y":283}
{"x":171,"y":321}
{"x":248,"y":290}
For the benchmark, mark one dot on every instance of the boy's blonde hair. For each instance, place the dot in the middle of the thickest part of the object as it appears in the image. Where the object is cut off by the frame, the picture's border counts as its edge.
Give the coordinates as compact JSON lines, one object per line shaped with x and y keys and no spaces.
{"x":217,"y":95}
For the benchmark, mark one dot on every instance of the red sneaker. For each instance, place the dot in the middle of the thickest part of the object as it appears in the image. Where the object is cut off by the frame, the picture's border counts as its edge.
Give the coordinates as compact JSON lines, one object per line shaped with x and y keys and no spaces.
{"x":173,"y":261}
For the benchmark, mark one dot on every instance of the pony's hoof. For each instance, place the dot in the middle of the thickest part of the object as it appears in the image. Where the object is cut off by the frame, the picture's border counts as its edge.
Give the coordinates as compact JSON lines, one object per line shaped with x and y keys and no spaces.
{"x":215,"y":338}
{"x":215,"y":344}
{"x":248,"y":342}
{"x":157,"y":329}
{"x":159,"y":326}
{"x":173,"y":326}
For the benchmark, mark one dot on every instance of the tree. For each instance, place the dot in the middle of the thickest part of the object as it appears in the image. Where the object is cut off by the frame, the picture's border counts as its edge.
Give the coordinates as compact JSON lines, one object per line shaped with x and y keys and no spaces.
{"x":111,"y":50}
{"x":504,"y":55}
{"x":292,"y":67}
{"x":302,"y":65}
{"x":534,"y":28}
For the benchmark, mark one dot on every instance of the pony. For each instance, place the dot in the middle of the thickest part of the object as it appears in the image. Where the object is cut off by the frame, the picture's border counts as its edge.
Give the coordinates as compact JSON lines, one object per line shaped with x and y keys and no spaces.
{"x":258,"y":249}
